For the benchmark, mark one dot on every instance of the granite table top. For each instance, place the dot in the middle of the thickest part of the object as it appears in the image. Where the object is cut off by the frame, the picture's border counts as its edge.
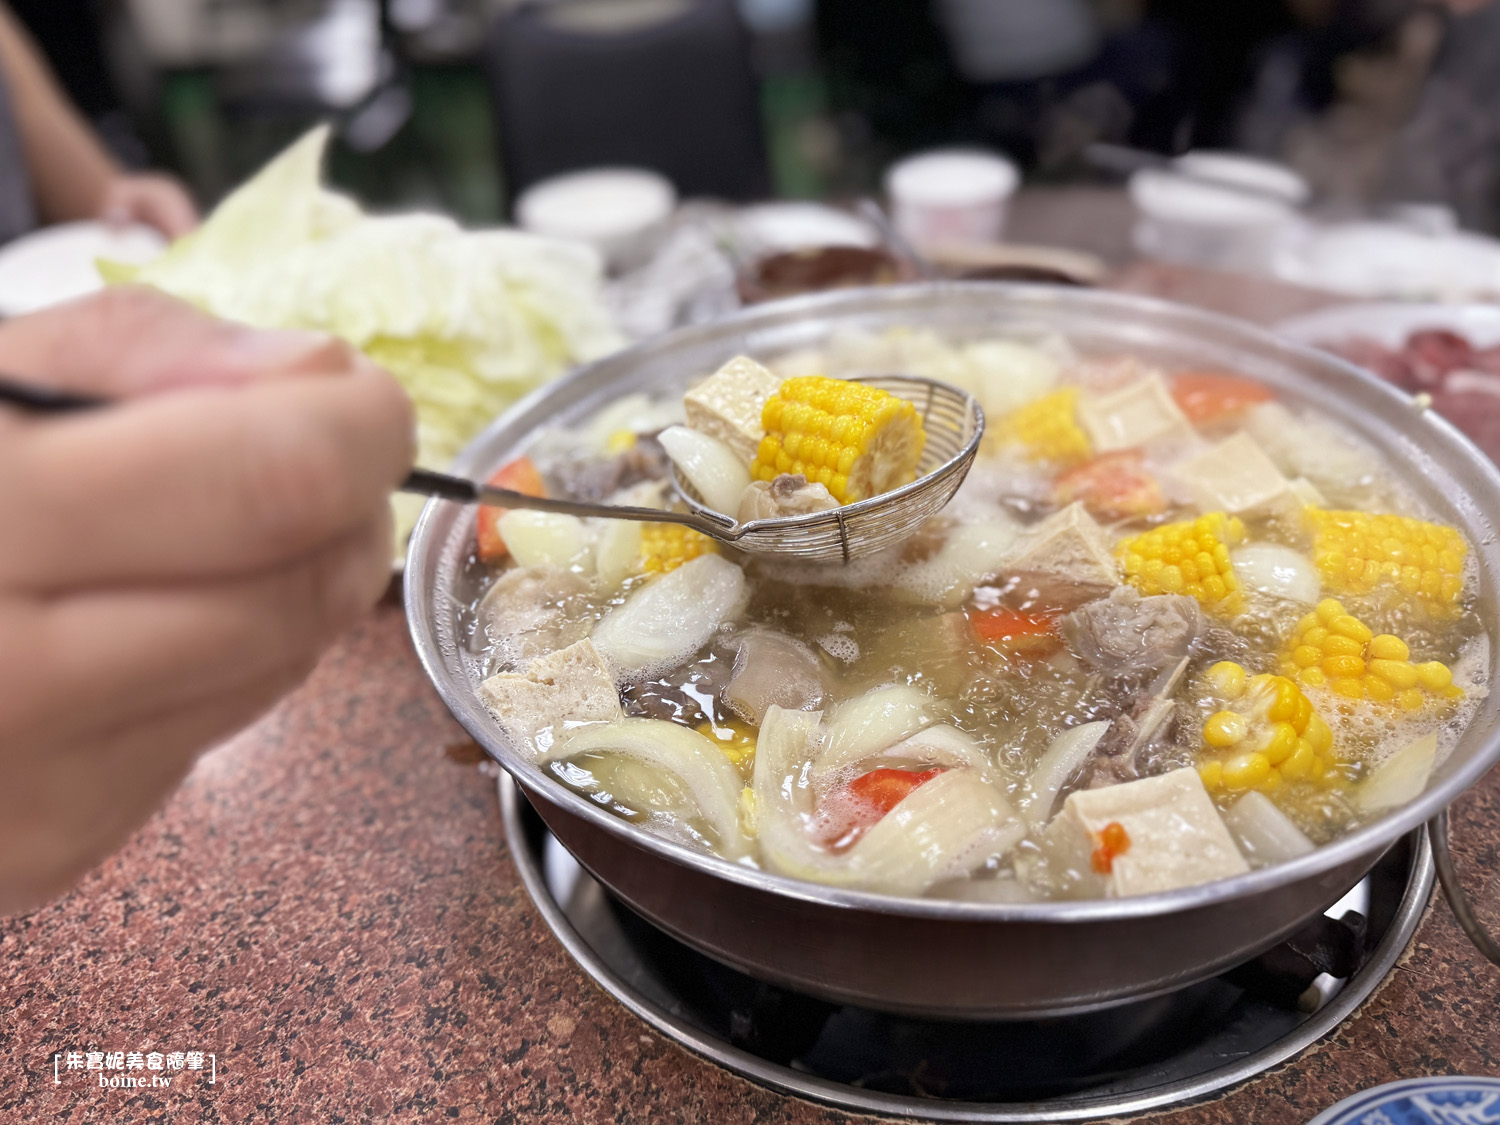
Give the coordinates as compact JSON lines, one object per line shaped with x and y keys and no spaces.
{"x":326,"y":917}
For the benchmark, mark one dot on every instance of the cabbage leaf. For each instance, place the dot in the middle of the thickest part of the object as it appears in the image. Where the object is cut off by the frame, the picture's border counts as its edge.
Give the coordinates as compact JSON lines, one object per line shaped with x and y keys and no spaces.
{"x":468,"y":321}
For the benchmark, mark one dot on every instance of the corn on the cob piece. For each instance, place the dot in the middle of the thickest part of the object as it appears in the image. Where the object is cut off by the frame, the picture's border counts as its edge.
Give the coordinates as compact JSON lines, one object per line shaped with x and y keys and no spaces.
{"x":1188,"y":557}
{"x":1331,"y":648}
{"x":1046,"y":429}
{"x":1266,"y":734}
{"x":666,"y":546}
{"x":1356,"y":552}
{"x":855,"y":440}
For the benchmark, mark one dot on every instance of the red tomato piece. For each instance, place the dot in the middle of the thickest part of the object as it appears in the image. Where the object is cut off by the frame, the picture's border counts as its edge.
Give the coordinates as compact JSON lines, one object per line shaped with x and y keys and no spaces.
{"x":1114,"y":486}
{"x":1210,"y":396}
{"x":1015,"y":632}
{"x":519,"y":475}
{"x":852,"y":810}
{"x":1114,"y":842}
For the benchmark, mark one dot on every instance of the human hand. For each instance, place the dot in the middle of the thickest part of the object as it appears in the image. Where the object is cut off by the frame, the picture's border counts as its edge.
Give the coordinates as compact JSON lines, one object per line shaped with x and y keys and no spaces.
{"x":171,"y":565}
{"x":150,"y":198}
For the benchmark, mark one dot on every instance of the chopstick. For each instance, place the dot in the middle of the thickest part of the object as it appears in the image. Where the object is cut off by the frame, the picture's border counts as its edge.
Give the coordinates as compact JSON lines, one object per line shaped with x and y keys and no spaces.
{"x":36,"y":399}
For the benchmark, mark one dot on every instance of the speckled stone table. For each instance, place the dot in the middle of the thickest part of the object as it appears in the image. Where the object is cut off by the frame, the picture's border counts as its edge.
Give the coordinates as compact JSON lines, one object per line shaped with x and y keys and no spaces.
{"x":326,"y":912}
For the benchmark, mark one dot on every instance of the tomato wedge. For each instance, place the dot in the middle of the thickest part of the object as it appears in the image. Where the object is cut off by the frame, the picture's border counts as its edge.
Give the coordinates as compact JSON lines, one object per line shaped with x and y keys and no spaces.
{"x":1210,"y":396}
{"x":851,"y":811}
{"x":1114,"y":486}
{"x":519,"y":475}
{"x":1016,"y":633}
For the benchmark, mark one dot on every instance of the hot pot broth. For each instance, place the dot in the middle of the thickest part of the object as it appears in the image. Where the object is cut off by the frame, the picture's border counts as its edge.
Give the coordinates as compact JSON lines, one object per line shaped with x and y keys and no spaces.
{"x":1169,"y":630}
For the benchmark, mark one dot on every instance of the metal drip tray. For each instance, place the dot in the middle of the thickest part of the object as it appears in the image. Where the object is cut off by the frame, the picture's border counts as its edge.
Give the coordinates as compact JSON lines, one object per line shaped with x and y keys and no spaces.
{"x":1138,"y":1056}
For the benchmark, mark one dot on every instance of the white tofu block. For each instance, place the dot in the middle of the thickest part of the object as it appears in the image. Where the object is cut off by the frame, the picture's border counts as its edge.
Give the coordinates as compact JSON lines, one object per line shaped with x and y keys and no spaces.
{"x":1068,"y":544}
{"x":573,"y":684}
{"x":1142,"y":412}
{"x":1235,"y":476}
{"x":1177,"y":838}
{"x":728,"y":404}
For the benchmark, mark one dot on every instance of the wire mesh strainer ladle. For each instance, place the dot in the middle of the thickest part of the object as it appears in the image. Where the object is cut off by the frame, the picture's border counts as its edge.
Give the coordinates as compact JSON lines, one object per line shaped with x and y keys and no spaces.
{"x":953,"y":421}
{"x":954,"y":424}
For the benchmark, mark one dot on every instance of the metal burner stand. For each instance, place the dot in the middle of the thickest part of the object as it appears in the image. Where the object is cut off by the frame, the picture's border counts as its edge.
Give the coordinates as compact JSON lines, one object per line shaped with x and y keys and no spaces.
{"x":1247,"y":1042}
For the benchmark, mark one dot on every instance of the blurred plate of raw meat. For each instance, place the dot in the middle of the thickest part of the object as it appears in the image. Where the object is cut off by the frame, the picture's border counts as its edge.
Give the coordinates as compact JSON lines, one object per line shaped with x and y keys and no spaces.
{"x":1451,"y":352}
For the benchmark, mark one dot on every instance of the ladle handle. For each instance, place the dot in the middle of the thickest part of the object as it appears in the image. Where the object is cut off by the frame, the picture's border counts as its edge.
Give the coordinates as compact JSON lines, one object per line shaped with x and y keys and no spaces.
{"x":1453,"y":891}
{"x":425,"y":482}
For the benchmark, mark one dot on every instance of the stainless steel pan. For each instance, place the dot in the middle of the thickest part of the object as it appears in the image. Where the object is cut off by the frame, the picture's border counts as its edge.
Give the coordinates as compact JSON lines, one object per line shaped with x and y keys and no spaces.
{"x":952,"y":959}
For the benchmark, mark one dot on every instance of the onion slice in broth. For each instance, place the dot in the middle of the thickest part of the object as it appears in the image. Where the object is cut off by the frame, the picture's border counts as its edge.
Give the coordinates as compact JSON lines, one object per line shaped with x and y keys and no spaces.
{"x":695,"y":760}
{"x":944,"y":829}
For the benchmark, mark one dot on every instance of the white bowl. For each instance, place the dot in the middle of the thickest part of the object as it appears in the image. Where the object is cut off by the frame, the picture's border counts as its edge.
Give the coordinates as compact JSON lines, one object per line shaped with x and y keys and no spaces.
{"x":1194,"y":222}
{"x":951,"y":196}
{"x":613,"y":209}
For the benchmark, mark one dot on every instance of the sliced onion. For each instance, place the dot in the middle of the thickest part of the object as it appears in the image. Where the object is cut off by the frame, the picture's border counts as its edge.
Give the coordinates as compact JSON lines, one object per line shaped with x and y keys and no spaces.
{"x":711,"y":466}
{"x":943,"y":829}
{"x":1063,"y":758}
{"x":666,"y":621}
{"x":694,"y":759}
{"x":617,"y":553}
{"x":1265,"y":834}
{"x":862,"y":727}
{"x":944,"y":745}
{"x":1400,"y":777}
{"x":546,"y":539}
{"x":1276,"y":570}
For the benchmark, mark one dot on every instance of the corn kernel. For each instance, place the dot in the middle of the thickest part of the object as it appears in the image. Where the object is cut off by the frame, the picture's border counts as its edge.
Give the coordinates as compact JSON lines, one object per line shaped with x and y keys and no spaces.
{"x":1434,"y":675}
{"x":1379,"y":690}
{"x":1344,"y":667}
{"x":1319,"y":734}
{"x":1283,"y":742}
{"x":1284,"y":702}
{"x":1329,"y":609}
{"x":1410,"y":700}
{"x":1211,"y":773}
{"x":1246,"y":771}
{"x":1312,"y":677}
{"x":1387,"y":647}
{"x":1351,"y":627}
{"x":1228,"y":679}
{"x":1348,"y":687}
{"x":1225,"y":728}
{"x":1337,"y":644}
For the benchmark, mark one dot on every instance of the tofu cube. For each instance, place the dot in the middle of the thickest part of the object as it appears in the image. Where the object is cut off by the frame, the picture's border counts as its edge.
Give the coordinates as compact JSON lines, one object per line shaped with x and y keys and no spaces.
{"x":1068,"y":544}
{"x":1177,"y":838}
{"x":728,"y":405}
{"x":1235,"y":476}
{"x":1134,"y":415}
{"x":573,"y":684}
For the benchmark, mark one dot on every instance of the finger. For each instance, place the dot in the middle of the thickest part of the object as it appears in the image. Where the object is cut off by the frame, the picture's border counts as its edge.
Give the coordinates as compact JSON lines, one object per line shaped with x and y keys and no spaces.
{"x":168,"y":208}
{"x":58,"y":823}
{"x":118,"y":657}
{"x":199,"y":484}
{"x":132,"y":340}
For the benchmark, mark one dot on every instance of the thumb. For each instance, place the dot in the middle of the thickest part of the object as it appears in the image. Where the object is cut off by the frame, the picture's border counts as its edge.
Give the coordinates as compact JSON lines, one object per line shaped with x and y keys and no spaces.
{"x":133,"y":340}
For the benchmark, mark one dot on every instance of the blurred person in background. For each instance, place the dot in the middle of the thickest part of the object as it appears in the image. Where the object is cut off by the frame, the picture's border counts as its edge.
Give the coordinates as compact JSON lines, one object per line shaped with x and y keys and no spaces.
{"x":53,"y":168}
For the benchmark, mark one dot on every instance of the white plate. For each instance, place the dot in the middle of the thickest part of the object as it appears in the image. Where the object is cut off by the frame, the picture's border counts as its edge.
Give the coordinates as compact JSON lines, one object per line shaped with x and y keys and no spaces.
{"x":58,"y":263}
{"x":1390,"y":323}
{"x":1390,"y":260}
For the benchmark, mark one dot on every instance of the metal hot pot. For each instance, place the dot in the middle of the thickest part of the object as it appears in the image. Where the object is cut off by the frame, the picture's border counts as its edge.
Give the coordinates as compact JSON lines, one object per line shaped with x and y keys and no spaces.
{"x":959,"y":959}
